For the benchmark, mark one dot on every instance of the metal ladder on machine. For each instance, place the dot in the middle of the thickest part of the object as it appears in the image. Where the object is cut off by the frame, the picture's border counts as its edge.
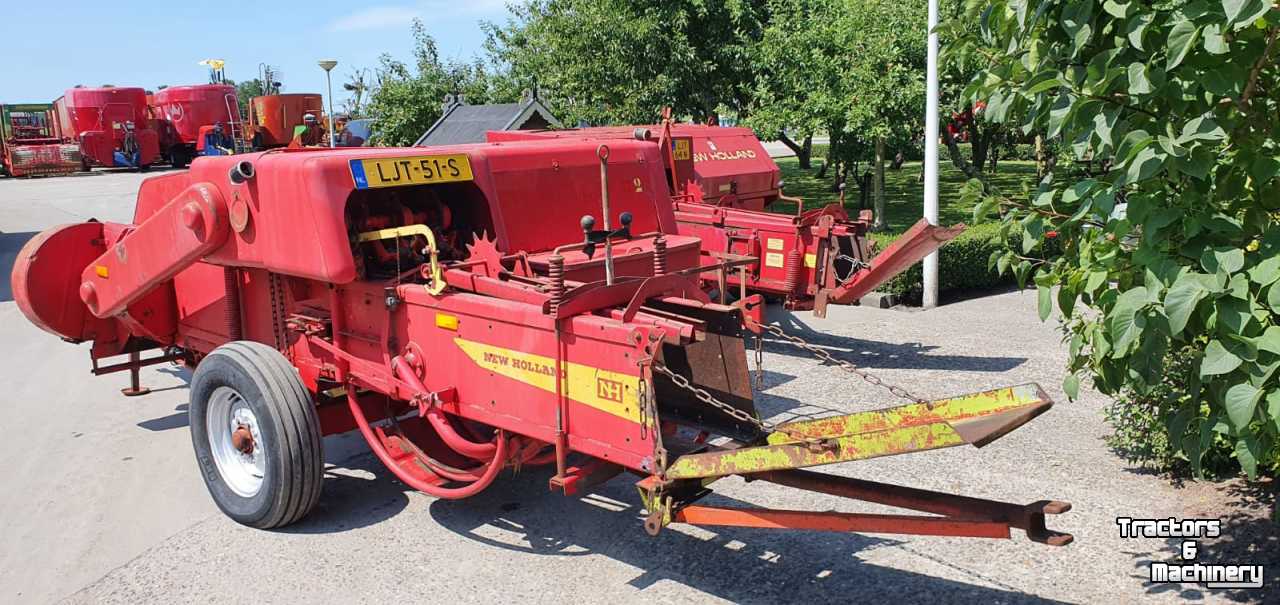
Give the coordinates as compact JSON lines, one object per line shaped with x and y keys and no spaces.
{"x":235,"y":127}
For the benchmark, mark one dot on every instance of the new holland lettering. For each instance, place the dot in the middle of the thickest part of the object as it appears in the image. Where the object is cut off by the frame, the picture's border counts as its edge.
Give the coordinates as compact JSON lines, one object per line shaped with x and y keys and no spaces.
{"x":721,"y":156}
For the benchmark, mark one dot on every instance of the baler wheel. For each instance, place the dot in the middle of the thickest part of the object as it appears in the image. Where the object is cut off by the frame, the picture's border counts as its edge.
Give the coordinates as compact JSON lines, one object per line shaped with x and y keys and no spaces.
{"x":256,"y":435}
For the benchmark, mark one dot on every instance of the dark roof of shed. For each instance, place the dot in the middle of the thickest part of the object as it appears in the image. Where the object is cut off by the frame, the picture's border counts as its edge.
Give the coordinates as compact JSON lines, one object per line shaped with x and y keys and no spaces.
{"x":463,"y":123}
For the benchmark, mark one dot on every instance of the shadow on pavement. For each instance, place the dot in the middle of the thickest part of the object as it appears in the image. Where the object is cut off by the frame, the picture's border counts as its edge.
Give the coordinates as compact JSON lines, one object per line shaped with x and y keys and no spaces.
{"x":350,"y":502}
{"x":10,"y":244}
{"x":164,"y":423}
{"x":873,"y":354}
{"x":737,"y":564}
{"x":179,"y":419}
{"x":780,"y":409}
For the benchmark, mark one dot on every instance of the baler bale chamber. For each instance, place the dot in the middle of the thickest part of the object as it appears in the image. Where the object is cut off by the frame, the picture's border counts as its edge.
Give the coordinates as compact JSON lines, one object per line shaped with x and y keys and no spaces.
{"x":468,"y":310}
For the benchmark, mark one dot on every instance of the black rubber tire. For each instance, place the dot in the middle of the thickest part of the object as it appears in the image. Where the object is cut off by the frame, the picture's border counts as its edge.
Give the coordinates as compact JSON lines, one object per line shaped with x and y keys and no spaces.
{"x":178,"y":157}
{"x":287,"y":418}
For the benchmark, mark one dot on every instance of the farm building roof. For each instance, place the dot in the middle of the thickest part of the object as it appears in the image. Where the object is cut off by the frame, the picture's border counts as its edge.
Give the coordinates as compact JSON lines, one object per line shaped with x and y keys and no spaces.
{"x":463,"y":123}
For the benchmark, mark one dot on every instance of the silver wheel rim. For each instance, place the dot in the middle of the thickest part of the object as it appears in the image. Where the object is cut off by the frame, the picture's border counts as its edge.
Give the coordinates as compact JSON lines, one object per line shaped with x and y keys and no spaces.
{"x":241,"y":471}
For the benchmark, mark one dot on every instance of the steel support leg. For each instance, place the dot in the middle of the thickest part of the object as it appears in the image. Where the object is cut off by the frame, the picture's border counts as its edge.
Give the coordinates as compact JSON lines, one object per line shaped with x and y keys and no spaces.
{"x":135,"y":387}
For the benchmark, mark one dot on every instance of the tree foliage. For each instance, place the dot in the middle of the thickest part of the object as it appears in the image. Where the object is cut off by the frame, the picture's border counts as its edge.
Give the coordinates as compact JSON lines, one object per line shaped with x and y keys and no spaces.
{"x":851,"y":68}
{"x":247,"y":90}
{"x":622,"y":61}
{"x":1178,"y":245}
{"x":407,"y":101}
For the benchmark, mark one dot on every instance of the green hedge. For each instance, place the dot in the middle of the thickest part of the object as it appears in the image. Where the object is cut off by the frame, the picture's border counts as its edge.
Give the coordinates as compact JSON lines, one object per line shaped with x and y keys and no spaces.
{"x":962,"y":264}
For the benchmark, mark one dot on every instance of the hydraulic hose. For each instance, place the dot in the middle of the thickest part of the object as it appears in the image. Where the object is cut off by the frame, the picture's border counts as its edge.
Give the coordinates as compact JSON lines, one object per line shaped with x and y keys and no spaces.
{"x":448,"y":493}
{"x":438,"y":420}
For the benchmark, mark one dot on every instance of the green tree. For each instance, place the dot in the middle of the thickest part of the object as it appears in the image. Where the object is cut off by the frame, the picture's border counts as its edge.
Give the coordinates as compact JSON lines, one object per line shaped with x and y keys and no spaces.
{"x":408,"y":101}
{"x":854,"y":68}
{"x":797,"y":80}
{"x":622,"y":61}
{"x":1177,"y":246}
{"x":247,"y":90}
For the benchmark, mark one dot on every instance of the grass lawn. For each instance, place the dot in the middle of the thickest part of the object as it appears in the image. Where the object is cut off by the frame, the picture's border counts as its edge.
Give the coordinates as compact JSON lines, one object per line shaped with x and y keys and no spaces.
{"x":904,"y":193}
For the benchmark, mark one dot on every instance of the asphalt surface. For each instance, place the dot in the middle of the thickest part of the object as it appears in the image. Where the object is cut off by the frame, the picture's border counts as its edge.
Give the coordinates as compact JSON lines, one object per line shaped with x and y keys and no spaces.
{"x":102,"y":502}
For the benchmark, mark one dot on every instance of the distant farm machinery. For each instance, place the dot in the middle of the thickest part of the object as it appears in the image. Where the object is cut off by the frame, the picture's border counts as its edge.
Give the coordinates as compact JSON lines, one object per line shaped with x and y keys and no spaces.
{"x":476,"y":308}
{"x":31,"y":143}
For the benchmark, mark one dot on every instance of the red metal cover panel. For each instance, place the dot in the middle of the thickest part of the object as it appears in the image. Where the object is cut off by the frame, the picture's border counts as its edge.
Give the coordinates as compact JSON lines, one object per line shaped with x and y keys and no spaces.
{"x":304,"y":232}
{"x":542,"y":191}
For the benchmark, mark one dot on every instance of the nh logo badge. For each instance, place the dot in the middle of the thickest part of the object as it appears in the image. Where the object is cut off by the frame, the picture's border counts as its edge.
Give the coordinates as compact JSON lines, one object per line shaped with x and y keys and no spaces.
{"x":610,"y":390}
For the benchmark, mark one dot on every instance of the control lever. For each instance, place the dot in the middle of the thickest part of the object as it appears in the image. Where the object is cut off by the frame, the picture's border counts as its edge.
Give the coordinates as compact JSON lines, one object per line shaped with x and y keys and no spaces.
{"x":592,"y":237}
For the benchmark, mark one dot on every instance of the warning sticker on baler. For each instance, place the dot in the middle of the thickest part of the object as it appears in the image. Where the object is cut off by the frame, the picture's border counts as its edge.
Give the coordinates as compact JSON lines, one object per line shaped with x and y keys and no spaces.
{"x":611,"y":392}
{"x":773,"y":259}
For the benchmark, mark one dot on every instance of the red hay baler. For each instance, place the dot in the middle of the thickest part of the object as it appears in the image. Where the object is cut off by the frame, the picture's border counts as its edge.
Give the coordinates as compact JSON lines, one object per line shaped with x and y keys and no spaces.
{"x":468,"y":310}
{"x":722,"y":183}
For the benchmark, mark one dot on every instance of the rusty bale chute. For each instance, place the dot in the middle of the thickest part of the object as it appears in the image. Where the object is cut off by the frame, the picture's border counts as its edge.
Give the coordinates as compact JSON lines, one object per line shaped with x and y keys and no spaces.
{"x":468,"y":310}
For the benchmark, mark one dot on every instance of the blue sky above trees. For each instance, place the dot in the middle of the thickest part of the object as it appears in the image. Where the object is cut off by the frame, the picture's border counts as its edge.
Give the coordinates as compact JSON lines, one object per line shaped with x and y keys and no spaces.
{"x":148,"y":44}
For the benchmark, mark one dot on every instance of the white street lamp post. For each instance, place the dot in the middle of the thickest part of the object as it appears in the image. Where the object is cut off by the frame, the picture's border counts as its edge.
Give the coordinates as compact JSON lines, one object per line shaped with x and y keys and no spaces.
{"x":327,"y":65}
{"x":931,"y":156}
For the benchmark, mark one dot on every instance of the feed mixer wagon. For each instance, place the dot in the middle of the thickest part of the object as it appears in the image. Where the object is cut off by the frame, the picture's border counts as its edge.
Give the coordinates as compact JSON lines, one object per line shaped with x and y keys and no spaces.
{"x":468,"y":310}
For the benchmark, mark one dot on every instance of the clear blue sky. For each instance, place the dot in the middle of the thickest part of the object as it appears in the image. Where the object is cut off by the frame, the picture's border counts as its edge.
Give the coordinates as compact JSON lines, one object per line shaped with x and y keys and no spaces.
{"x":147,"y":44}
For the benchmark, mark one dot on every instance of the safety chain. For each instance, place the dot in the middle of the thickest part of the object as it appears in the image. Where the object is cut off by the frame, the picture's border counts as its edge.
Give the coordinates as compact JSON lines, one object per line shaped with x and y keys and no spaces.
{"x":649,"y":422}
{"x":737,"y":414}
{"x":856,"y":264}
{"x":642,"y":400}
{"x":847,"y":366}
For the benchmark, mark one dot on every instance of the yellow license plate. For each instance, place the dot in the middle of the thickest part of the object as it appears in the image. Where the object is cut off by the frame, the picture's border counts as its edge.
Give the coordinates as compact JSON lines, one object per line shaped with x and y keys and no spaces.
{"x":371,"y":173}
{"x":680,"y":149}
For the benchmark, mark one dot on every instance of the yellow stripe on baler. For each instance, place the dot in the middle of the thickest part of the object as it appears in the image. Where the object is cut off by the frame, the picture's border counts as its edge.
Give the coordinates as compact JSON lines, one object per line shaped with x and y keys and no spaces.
{"x":607,"y":391}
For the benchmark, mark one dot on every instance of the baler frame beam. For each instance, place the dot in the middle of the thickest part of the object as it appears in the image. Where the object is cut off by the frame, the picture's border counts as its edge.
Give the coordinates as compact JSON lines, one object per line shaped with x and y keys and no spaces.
{"x":957,"y":516}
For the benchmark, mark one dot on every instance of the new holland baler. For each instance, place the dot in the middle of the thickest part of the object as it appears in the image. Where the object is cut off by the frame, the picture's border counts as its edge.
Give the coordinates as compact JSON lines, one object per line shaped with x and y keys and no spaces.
{"x":723,"y":184}
{"x":468,"y":310}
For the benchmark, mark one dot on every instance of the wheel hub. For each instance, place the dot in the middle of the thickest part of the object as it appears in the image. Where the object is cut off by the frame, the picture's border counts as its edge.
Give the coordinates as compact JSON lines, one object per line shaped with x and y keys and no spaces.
{"x":236,"y":440}
{"x":242,"y":440}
